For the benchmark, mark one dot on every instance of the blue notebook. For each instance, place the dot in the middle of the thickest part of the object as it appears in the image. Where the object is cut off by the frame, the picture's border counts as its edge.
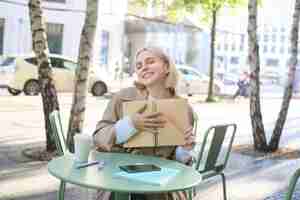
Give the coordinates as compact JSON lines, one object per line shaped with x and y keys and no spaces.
{"x":154,"y":178}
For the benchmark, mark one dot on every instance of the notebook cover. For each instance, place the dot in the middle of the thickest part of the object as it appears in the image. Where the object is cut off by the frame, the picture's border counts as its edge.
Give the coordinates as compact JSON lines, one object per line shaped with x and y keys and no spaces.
{"x":175,"y":112}
{"x":161,"y":177}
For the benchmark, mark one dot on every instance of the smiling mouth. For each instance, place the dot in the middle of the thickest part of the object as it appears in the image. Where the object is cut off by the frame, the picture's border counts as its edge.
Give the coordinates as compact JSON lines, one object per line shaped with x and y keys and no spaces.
{"x":147,"y":75}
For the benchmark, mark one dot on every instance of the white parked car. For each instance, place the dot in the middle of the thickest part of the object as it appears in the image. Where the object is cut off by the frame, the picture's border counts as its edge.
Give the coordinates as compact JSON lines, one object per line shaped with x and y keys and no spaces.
{"x":7,"y":70}
{"x":191,"y":81}
{"x":26,"y":76}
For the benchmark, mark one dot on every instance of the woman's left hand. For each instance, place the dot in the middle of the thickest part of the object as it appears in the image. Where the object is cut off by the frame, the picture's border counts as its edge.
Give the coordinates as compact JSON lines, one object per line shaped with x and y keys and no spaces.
{"x":189,"y":139}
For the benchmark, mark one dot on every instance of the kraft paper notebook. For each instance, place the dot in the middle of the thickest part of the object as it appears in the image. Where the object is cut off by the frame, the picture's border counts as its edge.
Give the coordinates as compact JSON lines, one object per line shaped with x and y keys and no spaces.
{"x":175,"y":112}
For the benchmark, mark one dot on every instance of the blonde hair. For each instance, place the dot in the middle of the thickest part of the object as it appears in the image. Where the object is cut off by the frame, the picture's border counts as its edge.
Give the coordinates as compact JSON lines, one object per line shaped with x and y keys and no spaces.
{"x":172,"y":76}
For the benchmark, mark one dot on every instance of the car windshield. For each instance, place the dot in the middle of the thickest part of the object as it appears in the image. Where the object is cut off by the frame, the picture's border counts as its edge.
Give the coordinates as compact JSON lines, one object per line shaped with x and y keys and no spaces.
{"x":7,"y":61}
{"x":189,"y":74}
{"x":70,"y":65}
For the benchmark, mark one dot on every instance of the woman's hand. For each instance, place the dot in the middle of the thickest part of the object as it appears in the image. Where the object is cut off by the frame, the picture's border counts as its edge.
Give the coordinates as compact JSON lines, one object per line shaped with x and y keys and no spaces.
{"x":189,"y":139}
{"x":148,"y":122}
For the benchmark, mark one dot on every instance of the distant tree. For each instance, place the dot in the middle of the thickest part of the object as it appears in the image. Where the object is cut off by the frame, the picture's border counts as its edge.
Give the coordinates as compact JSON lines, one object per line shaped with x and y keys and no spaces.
{"x":211,"y":9}
{"x":40,"y":48}
{"x":178,"y":9}
{"x":82,"y":72}
{"x":258,"y":131}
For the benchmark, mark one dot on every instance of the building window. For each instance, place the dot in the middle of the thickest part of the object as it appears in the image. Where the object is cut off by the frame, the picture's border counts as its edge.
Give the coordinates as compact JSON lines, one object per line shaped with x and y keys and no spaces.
{"x":219,"y":46}
{"x":282,"y":38}
{"x":273,"y":37}
{"x":242,"y":39}
{"x":57,"y":1}
{"x":104,"y":47}
{"x":290,"y":50}
{"x":282,"y":49}
{"x":107,"y":7}
{"x":2,"y":22}
{"x":226,"y":47}
{"x":232,"y":47}
{"x":272,"y":62}
{"x":234,"y":60}
{"x":273,"y":49}
{"x":265,"y":49}
{"x":266,"y":38}
{"x":55,"y":37}
{"x":241,"y":47}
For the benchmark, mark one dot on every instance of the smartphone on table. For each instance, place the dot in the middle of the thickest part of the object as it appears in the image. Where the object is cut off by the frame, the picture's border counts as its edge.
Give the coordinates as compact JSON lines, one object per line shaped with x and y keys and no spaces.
{"x":136,"y":168}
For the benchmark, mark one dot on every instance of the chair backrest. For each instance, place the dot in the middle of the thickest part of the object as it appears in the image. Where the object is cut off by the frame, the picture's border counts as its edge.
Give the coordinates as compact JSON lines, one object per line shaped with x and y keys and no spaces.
{"x":212,"y":146}
{"x":57,"y":132}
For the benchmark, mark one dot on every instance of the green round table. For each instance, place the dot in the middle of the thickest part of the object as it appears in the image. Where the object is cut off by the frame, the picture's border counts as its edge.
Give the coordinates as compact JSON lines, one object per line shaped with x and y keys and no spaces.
{"x":64,"y":168}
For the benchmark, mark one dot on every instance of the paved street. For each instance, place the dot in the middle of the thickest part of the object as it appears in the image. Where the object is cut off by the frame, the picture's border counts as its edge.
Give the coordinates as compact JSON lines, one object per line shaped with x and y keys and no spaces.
{"x":22,"y":128}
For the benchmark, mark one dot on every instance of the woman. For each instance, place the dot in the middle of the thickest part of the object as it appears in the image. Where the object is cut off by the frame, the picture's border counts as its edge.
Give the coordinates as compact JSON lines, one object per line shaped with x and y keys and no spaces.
{"x":243,"y":86}
{"x":156,"y":79}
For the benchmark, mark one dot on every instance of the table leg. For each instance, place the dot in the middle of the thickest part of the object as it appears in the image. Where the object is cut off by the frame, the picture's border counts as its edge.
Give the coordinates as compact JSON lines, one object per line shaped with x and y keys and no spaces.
{"x":190,"y":194}
{"x":61,"y":191}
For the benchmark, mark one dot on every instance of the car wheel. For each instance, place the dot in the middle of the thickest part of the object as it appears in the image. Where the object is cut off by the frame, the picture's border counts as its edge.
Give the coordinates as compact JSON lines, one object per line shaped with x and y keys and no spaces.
{"x":31,"y":87}
{"x":99,"y":88}
{"x":13,"y":91}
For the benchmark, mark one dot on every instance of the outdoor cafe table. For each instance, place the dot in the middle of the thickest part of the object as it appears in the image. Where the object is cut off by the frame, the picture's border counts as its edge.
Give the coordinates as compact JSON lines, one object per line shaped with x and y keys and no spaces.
{"x":64,"y":169}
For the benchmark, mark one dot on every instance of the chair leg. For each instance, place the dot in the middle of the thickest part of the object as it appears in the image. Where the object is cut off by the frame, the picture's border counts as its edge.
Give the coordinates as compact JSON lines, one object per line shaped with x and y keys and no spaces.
{"x":292,"y":185}
{"x":224,"y":185}
{"x":61,"y":191}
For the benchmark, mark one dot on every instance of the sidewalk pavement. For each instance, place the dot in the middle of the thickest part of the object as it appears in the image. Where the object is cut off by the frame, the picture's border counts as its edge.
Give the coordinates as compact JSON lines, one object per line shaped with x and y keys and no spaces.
{"x":248,"y":178}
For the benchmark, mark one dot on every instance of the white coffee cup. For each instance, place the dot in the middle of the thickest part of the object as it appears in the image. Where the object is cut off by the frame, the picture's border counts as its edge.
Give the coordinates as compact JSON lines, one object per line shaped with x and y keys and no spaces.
{"x":82,"y":145}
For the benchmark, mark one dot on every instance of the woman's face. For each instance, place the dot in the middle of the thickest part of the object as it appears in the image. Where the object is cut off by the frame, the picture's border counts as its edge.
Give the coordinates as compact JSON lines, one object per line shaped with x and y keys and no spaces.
{"x":150,"y":69}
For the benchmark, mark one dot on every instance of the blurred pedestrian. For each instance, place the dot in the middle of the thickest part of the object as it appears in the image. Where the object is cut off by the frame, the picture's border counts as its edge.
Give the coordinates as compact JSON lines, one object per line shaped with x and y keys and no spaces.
{"x":243,"y":86}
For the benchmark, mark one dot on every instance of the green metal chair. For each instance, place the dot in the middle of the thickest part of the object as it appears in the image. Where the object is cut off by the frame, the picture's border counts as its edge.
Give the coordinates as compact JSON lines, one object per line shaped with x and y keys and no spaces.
{"x":60,"y":142}
{"x":214,"y":152}
{"x":292,"y":185}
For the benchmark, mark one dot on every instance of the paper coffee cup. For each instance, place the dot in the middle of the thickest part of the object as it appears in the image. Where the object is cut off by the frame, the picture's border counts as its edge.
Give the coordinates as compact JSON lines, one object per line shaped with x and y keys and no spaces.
{"x":82,"y":145}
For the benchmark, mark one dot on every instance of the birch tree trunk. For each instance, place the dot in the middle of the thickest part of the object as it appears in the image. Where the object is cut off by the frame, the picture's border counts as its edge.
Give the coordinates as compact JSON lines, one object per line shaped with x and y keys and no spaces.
{"x":40,"y":48}
{"x":82,"y":72}
{"x":274,"y":143}
{"x":258,"y":131}
{"x":212,"y":57}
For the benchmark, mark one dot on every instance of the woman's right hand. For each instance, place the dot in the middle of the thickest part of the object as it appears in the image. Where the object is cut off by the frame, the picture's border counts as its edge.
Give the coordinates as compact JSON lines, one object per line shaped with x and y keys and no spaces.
{"x":148,"y":122}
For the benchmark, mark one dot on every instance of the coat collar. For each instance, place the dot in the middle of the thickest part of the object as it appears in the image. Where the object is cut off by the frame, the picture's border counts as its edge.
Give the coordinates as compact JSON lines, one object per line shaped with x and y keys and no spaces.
{"x":130,"y":94}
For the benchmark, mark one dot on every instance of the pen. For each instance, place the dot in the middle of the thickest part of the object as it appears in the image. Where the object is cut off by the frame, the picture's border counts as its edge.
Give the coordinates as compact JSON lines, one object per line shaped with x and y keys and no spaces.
{"x":83,"y":165}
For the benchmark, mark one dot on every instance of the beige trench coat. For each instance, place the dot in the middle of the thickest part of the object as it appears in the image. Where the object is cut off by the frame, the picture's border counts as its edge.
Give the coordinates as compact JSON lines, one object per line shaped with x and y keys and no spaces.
{"x":104,"y":138}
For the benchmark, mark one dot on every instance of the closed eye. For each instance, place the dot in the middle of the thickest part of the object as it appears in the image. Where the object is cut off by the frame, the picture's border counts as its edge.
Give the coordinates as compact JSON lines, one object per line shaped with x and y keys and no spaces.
{"x":138,"y":66}
{"x":150,"y":60}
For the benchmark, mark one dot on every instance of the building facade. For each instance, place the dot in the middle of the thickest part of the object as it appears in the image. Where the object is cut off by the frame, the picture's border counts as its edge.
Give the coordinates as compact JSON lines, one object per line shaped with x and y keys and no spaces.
{"x":274,"y":48}
{"x":64,"y":21}
{"x":180,"y":41}
{"x":185,"y":42}
{"x":274,"y":20}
